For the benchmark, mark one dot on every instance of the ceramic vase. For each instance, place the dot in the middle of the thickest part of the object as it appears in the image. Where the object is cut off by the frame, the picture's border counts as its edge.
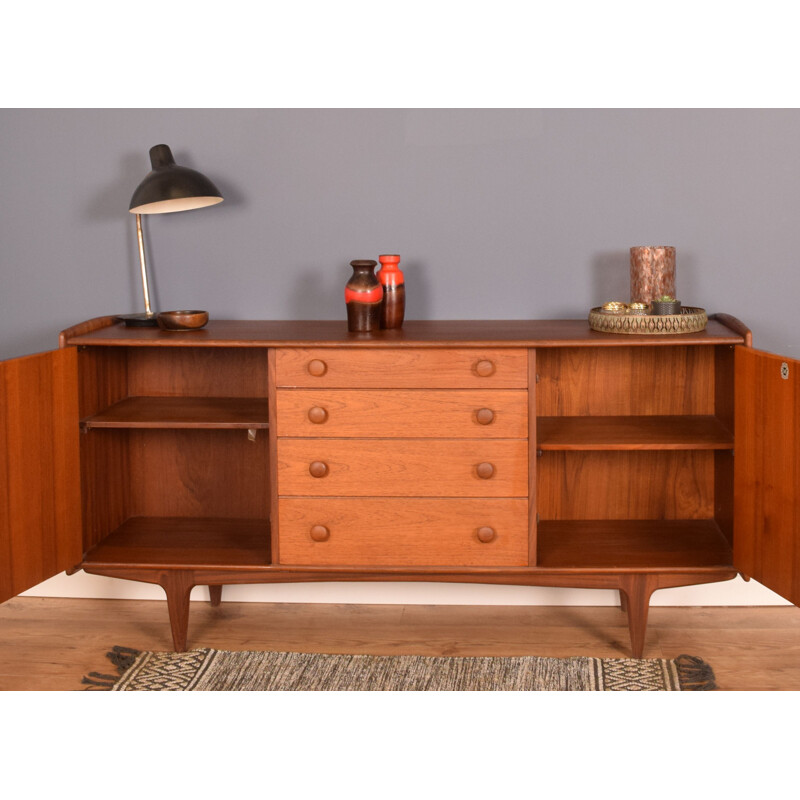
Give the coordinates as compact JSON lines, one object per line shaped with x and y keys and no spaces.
{"x":363,"y":296}
{"x":393,"y":282}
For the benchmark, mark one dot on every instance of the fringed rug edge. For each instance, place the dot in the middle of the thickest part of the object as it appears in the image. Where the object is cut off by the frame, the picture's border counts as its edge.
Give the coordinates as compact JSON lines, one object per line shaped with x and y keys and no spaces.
{"x":693,"y":673}
{"x":123,"y":658}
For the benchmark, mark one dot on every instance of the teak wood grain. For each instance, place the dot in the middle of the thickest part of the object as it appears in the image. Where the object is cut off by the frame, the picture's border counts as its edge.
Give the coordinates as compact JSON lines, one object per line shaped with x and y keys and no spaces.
{"x":403,"y":467}
{"x":767,"y":519}
{"x":620,"y":484}
{"x":633,"y":433}
{"x":625,"y":381}
{"x":407,"y":532}
{"x":642,"y":545}
{"x":174,"y":493}
{"x":182,"y":412}
{"x":40,"y":513}
{"x":102,"y":382}
{"x":430,"y":334}
{"x":459,"y":413}
{"x":414,"y":368}
{"x":185,"y":473}
{"x":163,"y":542}
{"x":198,"y":372}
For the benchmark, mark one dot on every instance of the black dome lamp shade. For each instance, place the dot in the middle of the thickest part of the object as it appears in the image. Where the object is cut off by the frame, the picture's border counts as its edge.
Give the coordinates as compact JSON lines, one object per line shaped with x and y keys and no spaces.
{"x":166,"y":188}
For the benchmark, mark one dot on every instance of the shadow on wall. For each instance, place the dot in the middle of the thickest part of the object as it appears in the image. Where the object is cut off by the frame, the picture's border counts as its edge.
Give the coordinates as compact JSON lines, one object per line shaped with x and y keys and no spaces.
{"x":612,"y":277}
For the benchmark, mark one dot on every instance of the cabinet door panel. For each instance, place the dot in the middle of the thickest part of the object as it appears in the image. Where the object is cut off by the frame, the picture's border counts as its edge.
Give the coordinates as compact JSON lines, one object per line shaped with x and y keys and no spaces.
{"x":40,"y":516}
{"x":767,"y":471}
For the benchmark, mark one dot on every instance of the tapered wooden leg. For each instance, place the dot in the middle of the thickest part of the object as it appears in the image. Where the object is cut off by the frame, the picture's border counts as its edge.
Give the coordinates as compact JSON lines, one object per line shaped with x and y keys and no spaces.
{"x":623,"y":601}
{"x":637,"y":590}
{"x":178,"y":585}
{"x":215,"y":595}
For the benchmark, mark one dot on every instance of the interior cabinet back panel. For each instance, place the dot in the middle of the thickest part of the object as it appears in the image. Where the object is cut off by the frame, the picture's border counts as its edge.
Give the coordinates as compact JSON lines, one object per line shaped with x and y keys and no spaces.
{"x":617,"y":381}
{"x":197,"y":372}
{"x":626,"y":485}
{"x":102,"y":378}
{"x":207,"y":473}
{"x":105,"y":484}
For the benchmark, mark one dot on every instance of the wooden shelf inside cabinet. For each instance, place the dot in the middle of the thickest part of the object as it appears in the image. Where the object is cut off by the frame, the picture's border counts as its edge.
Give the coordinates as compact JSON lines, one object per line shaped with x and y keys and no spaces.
{"x":633,"y":433}
{"x":183,"y":412}
{"x":184,"y":542}
{"x":632,"y":544}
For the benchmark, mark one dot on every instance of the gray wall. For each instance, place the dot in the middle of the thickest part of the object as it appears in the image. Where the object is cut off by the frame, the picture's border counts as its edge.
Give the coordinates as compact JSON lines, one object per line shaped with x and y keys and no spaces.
{"x":496,"y":213}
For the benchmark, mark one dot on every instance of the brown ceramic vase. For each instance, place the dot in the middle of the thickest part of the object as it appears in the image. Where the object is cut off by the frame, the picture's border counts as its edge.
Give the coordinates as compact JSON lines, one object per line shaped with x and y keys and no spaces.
{"x":363,"y":296}
{"x":392,"y":280}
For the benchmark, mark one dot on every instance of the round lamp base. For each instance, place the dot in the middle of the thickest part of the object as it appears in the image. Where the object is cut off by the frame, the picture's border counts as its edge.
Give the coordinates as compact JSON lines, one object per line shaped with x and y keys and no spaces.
{"x":138,"y":320}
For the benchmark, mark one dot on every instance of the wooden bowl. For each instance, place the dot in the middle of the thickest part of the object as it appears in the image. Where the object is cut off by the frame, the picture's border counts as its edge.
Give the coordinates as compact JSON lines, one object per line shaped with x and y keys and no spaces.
{"x":181,"y":320}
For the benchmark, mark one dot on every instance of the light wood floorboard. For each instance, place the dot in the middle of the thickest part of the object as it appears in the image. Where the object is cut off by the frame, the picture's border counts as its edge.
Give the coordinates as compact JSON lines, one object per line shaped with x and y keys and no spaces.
{"x":51,"y":643}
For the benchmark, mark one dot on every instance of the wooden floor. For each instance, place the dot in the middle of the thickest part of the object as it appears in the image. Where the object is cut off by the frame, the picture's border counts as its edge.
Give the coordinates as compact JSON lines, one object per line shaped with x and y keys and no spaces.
{"x":51,"y":643}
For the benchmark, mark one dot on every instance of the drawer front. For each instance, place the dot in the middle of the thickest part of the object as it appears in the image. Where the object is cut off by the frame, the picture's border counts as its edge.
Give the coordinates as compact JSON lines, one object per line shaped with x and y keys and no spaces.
{"x":403,"y":467}
{"x":395,"y":532}
{"x":458,"y":413}
{"x":402,"y":368}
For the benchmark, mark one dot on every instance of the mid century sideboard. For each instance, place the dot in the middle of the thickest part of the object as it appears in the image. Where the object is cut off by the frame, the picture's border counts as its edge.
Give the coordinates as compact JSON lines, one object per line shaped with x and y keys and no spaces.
{"x":535,"y":453}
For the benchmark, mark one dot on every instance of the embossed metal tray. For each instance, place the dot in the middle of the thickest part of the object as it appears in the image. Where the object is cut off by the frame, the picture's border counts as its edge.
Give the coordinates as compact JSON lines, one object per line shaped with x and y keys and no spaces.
{"x":690,"y":320}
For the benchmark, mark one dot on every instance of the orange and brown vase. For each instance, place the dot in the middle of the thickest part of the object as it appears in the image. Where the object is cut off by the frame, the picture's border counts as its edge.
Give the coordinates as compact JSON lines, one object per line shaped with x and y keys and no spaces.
{"x":363,"y":296}
{"x":394,"y":292}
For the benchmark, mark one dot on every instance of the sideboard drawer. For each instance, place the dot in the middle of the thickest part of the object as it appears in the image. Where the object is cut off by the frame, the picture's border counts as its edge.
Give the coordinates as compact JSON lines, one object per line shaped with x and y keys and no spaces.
{"x":397,"y":532}
{"x":403,"y":467}
{"x":409,"y":368}
{"x":457,"y":413}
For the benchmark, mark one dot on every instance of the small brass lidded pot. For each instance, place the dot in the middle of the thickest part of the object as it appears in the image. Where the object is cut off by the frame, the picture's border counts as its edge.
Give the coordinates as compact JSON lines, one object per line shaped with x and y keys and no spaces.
{"x":638,"y":309}
{"x":614,"y":307}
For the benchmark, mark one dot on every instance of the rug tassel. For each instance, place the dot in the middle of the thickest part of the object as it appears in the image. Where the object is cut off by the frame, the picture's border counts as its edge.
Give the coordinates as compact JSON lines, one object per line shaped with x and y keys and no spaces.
{"x":99,"y":680}
{"x":694,"y":674}
{"x":122,"y":658}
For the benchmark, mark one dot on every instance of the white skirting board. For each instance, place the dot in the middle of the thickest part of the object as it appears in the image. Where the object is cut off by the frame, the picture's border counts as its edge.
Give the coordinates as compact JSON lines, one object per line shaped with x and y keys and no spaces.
{"x":736,"y":592}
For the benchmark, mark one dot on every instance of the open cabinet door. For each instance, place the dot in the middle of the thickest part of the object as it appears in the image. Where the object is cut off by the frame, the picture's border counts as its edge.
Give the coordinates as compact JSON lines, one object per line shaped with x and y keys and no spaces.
{"x":766,"y":538}
{"x":40,"y":494}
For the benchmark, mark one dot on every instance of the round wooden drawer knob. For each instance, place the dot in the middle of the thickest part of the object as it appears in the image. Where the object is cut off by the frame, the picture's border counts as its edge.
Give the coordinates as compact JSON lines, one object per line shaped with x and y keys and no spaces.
{"x":319,"y":469}
{"x":319,"y":533}
{"x":317,"y":368}
{"x":485,"y":416}
{"x":484,"y":368}
{"x":317,"y":415}
{"x":486,"y":534}
{"x":485,"y":470}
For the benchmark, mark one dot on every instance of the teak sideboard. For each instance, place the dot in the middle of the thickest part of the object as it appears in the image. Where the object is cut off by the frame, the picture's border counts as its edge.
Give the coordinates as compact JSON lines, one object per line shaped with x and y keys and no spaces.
{"x":534,"y":453}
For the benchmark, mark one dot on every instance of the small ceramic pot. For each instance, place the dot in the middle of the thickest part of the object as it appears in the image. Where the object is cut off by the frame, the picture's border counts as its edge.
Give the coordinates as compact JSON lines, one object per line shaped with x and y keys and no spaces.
{"x":663,"y":307}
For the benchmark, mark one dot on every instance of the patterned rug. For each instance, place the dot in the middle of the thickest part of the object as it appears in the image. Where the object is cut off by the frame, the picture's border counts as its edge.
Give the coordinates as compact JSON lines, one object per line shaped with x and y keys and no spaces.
{"x":263,"y":671}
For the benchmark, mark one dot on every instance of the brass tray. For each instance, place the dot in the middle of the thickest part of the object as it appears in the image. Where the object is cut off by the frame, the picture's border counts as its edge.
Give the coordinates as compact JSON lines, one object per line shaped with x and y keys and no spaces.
{"x":690,"y":320}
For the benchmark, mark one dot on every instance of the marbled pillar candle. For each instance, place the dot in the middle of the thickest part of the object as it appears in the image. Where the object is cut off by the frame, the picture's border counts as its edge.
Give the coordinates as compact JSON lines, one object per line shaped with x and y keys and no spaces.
{"x":652,"y":273}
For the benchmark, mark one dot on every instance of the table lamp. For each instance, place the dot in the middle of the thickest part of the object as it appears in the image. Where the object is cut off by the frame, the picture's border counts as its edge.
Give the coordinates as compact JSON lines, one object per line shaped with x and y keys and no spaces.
{"x":165,"y":189}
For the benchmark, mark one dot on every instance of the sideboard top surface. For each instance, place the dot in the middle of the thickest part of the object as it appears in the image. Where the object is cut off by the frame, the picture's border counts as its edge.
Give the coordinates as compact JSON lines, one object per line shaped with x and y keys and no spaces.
{"x":414,"y":333}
